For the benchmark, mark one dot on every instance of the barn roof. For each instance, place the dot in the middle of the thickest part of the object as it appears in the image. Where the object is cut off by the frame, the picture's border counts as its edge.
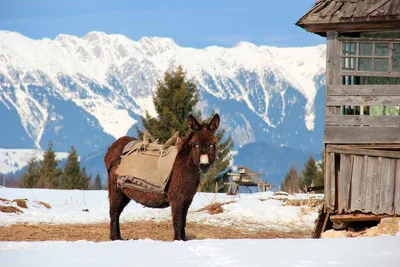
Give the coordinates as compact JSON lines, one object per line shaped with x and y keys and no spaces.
{"x":351,"y":16}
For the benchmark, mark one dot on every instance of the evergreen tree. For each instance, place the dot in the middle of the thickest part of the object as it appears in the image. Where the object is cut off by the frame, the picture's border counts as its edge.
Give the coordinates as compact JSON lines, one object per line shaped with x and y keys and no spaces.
{"x":97,"y":183}
{"x":31,"y":176}
{"x":219,"y":173}
{"x":175,"y":98}
{"x":309,"y":174}
{"x":71,"y":177}
{"x":291,"y":182}
{"x":49,"y":173}
{"x":320,"y":172}
{"x":83,"y":182}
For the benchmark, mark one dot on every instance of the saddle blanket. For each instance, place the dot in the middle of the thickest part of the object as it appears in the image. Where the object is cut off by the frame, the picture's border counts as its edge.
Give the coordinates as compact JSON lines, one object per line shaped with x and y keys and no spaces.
{"x":146,"y":169}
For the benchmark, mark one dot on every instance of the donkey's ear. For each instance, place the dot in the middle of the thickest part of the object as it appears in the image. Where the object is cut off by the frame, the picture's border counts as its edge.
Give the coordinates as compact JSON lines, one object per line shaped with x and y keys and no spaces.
{"x":194,"y":125}
{"x":214,"y":123}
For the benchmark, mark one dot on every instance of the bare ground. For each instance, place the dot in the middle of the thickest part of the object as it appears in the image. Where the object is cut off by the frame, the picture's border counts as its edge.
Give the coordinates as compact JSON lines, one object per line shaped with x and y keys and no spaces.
{"x":135,"y":230}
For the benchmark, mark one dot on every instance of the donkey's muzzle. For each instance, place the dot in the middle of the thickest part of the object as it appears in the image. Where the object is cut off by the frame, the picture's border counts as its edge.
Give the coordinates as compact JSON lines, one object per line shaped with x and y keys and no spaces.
{"x":204,"y":167}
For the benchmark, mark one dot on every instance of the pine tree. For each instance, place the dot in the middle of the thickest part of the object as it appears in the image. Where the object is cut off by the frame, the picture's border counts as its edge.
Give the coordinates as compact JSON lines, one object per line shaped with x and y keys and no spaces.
{"x":83,"y":182}
{"x":319,"y":180}
{"x":219,"y":173}
{"x":309,"y":174}
{"x":49,"y":173}
{"x":31,"y":176}
{"x":291,"y":182}
{"x":71,"y":177}
{"x":97,"y":183}
{"x":175,"y":98}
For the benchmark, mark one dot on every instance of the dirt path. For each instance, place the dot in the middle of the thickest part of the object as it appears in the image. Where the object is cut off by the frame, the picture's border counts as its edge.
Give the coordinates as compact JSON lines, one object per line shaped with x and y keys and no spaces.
{"x":135,"y":230}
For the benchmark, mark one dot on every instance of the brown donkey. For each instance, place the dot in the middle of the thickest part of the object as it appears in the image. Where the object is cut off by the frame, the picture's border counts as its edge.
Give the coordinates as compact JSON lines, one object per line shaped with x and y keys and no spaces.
{"x":196,"y":153}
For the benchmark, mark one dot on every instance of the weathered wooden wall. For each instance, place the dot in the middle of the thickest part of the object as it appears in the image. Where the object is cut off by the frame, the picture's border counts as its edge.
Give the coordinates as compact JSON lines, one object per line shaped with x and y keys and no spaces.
{"x":358,"y":129}
{"x":362,"y":179}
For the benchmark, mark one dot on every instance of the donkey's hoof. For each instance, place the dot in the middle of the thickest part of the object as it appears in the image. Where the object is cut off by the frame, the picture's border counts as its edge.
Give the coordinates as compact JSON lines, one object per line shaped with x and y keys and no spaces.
{"x":114,"y":238}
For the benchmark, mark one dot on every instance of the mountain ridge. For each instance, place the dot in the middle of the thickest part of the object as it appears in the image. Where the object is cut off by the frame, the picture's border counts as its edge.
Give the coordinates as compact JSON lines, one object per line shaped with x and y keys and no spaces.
{"x":87,"y":91}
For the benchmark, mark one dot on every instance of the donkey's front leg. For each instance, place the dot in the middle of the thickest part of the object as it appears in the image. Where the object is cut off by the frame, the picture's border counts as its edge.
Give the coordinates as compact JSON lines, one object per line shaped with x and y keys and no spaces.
{"x":177,"y":222}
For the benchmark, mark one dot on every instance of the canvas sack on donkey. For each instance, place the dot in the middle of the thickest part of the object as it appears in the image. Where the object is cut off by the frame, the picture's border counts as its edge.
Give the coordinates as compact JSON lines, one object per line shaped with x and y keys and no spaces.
{"x":146,"y":165}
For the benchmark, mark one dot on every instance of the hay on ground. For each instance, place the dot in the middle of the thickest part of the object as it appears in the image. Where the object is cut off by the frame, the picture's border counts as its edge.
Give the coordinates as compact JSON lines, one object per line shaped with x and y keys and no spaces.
{"x":10,"y":209}
{"x":21,"y":202}
{"x":304,"y":202}
{"x":215,"y":208}
{"x":4,"y":200}
{"x":47,"y":205}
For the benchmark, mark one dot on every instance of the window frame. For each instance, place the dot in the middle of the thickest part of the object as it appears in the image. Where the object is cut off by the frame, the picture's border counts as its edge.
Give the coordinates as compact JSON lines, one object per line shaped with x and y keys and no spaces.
{"x":372,"y":72}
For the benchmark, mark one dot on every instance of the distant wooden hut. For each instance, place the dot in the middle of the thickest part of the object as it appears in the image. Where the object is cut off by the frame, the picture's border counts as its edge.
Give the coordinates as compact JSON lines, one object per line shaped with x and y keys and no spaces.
{"x":246,"y":177}
{"x":362,"y":123}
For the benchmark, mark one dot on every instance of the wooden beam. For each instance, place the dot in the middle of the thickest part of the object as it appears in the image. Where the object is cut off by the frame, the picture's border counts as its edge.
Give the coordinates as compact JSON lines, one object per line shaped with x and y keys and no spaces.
{"x":369,"y":73}
{"x":368,"y":39}
{"x":346,"y":169}
{"x":357,"y":217}
{"x":362,"y":120}
{"x":363,"y":152}
{"x":386,"y":197}
{"x":361,"y":135}
{"x":332,"y":66}
{"x":363,"y":90}
{"x":363,"y":101}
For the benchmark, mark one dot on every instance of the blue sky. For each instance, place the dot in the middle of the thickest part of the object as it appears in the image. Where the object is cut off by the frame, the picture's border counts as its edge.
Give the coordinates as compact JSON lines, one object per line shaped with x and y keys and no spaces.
{"x":190,"y":23}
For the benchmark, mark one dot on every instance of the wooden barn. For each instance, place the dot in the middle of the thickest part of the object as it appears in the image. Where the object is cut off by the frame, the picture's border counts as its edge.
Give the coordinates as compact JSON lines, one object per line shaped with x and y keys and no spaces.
{"x":362,"y":122}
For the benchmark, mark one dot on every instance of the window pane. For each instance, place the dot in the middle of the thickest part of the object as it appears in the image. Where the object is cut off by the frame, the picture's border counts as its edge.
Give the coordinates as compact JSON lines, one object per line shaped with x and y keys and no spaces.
{"x":349,"y":49}
{"x":381,"y":64}
{"x":396,"y":57}
{"x":365,"y":49}
{"x":381,"y":49}
{"x":365,"y":64}
{"x":349,"y":63}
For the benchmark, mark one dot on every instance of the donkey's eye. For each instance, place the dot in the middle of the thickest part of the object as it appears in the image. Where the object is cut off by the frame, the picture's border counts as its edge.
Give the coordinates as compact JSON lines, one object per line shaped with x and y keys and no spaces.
{"x":197,"y":145}
{"x":212,"y":145}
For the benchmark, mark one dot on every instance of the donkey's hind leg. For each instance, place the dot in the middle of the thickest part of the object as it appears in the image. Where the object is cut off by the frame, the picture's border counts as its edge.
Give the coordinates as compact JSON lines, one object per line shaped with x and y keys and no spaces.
{"x":118,"y":201}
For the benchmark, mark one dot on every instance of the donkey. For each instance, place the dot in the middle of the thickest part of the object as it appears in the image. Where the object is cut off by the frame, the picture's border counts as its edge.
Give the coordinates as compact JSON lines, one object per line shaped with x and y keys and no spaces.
{"x":196,"y":153}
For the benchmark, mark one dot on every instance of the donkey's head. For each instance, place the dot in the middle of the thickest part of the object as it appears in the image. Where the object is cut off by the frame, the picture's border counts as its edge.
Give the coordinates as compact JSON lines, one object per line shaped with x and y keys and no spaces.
{"x":203,"y":143}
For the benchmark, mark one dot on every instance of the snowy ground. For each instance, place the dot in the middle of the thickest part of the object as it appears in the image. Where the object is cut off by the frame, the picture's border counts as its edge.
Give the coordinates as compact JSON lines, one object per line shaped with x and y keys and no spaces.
{"x":255,"y":210}
{"x":249,"y":210}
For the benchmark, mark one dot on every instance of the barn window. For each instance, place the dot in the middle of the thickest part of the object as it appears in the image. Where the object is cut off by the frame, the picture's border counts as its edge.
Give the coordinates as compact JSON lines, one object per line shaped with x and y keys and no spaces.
{"x":370,"y":56}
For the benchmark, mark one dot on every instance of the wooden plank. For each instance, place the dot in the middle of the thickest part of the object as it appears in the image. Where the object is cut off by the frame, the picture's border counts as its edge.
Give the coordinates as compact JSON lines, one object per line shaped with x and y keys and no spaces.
{"x":346,"y":168}
{"x":395,"y":8}
{"x":396,"y":199}
{"x":369,"y":39}
{"x":360,"y":90}
{"x":332,"y":65}
{"x":329,"y":181}
{"x":332,"y":180}
{"x":363,"y":100}
{"x":327,"y":10}
{"x":360,"y":135}
{"x":335,"y":9}
{"x":353,"y":150}
{"x":376,"y":6}
{"x":358,"y":183}
{"x":387,"y":176}
{"x":365,"y":120}
{"x":357,"y":24}
{"x":369,"y":73}
{"x":356,"y":217}
{"x":372,"y":146}
{"x":327,"y":178}
{"x":321,"y":222}
{"x":372,"y":183}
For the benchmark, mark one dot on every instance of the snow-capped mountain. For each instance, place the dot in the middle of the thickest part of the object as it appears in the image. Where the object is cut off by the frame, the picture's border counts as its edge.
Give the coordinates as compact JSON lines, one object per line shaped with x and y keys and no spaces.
{"x":12,"y":160}
{"x":88,"y":91}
